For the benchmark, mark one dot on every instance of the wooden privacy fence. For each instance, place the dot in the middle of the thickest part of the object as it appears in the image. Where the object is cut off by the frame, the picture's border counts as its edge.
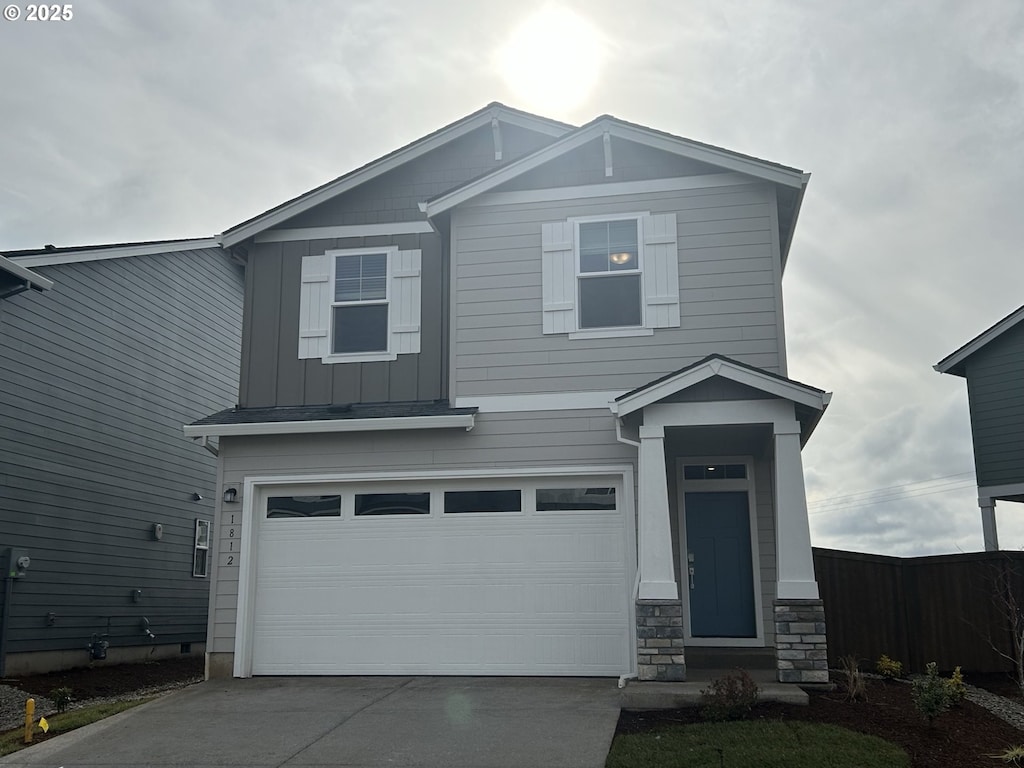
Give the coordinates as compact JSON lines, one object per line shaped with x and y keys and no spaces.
{"x":950,"y":609}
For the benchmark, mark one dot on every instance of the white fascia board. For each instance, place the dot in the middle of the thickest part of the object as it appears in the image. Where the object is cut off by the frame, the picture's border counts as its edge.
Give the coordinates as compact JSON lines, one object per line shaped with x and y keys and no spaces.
{"x":676,"y":146}
{"x":762,"y":382}
{"x":968,"y":349}
{"x":453,"y":421}
{"x":554,"y":401}
{"x":23,"y":273}
{"x":626,"y":470}
{"x":1000,"y":491}
{"x":114,"y":252}
{"x":676,"y":184}
{"x":382,"y":166}
{"x":354,"y":230}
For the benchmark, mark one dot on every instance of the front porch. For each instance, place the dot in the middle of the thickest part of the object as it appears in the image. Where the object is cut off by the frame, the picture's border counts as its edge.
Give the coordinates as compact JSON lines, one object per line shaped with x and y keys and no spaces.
{"x":722,"y":513}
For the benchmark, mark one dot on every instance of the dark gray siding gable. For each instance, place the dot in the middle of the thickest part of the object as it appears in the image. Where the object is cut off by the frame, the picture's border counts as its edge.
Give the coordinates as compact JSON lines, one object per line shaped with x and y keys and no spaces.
{"x":995,"y":390}
{"x":97,"y":378}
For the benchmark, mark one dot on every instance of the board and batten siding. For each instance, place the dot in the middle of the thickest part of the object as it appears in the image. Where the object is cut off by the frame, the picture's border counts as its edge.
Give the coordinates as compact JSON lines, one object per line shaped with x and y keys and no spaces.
{"x":273,"y":374}
{"x":730,"y":294}
{"x":995,"y":389}
{"x":97,"y":377}
{"x":520,"y":440}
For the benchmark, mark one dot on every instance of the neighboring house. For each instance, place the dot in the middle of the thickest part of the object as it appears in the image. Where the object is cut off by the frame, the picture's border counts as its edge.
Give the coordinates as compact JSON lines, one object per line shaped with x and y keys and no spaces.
{"x":993,"y":364}
{"x":514,"y":400}
{"x":98,"y":488}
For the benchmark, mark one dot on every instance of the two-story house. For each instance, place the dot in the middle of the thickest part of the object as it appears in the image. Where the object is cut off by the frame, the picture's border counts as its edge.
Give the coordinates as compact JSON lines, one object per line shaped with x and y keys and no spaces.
{"x":514,"y":401}
{"x":993,"y":364}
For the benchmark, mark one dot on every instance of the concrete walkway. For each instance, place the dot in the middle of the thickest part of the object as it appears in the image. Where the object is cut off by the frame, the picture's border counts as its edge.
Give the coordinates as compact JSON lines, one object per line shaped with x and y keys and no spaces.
{"x":366,"y":722}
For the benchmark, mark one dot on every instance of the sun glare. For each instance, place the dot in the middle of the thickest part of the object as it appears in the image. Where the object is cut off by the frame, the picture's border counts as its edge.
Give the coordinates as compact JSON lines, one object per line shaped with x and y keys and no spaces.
{"x":552,"y":60}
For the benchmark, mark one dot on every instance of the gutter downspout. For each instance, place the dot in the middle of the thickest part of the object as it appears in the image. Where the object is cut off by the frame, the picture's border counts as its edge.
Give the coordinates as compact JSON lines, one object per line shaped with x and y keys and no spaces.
{"x":632,"y":674}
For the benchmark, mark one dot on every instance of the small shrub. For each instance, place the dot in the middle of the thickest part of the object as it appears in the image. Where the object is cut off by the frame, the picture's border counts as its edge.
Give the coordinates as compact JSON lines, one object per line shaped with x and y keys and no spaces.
{"x":853,"y":680}
{"x":930,"y":693}
{"x":955,"y":687}
{"x":61,"y":698}
{"x":888,"y":668}
{"x":729,"y":698}
{"x":1011,"y":755}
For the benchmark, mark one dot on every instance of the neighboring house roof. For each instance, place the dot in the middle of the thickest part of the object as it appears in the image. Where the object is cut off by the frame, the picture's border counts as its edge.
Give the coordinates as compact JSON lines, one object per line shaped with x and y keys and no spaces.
{"x":49,"y":255}
{"x":431,"y":141}
{"x":811,"y":402}
{"x":15,"y":278}
{"x":954,"y":363}
{"x":354,"y":417}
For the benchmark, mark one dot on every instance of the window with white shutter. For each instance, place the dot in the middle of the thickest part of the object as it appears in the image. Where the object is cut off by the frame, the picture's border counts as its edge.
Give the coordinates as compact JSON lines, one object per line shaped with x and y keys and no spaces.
{"x":606,"y":276}
{"x":360,"y":305}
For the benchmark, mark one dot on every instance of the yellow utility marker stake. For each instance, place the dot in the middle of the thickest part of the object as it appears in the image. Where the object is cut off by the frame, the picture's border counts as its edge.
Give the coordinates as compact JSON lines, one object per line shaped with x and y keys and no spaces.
{"x":30,"y":712}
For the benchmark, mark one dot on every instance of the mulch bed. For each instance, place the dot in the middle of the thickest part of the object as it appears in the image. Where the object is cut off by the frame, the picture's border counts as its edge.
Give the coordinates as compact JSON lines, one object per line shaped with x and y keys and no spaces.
{"x":965,"y":736}
{"x":105,"y":680}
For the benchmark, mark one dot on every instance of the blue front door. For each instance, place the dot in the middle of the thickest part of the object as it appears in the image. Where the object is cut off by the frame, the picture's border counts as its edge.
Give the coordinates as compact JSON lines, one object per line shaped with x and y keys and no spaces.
{"x":721,"y":586}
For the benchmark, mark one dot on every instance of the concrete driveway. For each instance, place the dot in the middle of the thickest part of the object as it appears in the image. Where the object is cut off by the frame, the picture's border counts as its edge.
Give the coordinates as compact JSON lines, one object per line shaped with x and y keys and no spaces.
{"x":353,"y":721}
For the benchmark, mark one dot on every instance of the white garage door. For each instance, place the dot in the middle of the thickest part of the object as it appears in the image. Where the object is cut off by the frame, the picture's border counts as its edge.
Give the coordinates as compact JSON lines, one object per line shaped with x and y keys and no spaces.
{"x":498,"y":578}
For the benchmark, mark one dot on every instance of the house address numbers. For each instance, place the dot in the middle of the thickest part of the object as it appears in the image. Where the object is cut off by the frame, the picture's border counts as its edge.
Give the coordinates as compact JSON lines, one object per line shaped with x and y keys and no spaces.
{"x":230,"y":540}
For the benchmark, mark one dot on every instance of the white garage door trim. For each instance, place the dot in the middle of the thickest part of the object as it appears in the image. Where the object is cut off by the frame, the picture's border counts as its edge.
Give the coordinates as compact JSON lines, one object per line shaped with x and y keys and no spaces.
{"x":254,"y":487}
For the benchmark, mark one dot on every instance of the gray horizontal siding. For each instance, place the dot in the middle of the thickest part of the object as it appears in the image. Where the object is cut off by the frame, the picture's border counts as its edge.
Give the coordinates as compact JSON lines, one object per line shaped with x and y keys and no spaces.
{"x":498,"y":440}
{"x":995,"y":387}
{"x":729,"y":295}
{"x":273,"y":374}
{"x":98,"y":377}
{"x":396,"y":195}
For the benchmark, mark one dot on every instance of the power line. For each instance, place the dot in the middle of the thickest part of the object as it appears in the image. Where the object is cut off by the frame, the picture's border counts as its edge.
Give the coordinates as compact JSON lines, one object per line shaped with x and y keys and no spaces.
{"x":849,"y":496}
{"x":885,"y":499}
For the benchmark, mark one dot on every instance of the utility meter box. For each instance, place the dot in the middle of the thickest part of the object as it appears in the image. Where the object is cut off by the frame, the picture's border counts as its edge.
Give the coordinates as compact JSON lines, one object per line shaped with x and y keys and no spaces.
{"x":16,"y":563}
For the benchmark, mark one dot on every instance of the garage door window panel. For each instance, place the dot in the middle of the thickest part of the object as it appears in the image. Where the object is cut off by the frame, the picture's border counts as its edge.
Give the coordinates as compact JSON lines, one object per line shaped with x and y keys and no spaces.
{"x":302,"y":507}
{"x":391,"y":504}
{"x":462,"y":502}
{"x":593,"y":499}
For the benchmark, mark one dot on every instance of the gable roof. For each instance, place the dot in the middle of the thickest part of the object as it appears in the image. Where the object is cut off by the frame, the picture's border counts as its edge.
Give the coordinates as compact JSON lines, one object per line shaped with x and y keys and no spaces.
{"x":480,"y":118}
{"x":597,"y":128}
{"x":44,"y":257}
{"x":811,"y":402}
{"x":954,"y":362}
{"x":15,"y":278}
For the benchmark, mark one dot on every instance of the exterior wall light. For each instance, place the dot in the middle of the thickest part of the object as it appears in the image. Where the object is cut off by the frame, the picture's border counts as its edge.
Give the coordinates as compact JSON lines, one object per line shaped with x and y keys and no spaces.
{"x":230,"y":495}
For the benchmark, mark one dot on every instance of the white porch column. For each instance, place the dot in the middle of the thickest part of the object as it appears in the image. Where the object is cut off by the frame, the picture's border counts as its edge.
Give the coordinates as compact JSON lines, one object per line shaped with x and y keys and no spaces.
{"x":657,"y":576}
{"x":795,"y":562}
{"x":988,"y":523}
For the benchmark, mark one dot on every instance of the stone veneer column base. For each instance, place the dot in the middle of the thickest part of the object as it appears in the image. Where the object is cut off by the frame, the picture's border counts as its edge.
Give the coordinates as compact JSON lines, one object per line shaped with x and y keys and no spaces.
{"x":659,"y":640}
{"x":801,"y":653}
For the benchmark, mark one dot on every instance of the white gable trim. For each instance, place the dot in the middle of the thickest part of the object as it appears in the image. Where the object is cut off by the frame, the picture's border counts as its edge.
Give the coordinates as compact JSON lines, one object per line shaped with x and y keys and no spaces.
{"x":677,"y":146}
{"x":353,"y":230}
{"x":968,"y":349}
{"x":611,"y":189}
{"x":543,"y":401}
{"x":203,"y":431}
{"x":30,"y":278}
{"x":114,"y":252}
{"x":389,"y":162}
{"x":763,"y":382}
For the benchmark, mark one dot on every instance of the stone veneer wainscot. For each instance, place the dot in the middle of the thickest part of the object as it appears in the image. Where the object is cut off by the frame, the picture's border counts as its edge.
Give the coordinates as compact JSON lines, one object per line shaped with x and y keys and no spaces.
{"x":659,"y":640}
{"x":801,"y":651}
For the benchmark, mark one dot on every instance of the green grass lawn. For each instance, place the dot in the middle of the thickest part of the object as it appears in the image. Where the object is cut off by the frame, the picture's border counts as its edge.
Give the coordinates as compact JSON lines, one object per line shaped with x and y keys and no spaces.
{"x":11,"y":741}
{"x":762,"y":744}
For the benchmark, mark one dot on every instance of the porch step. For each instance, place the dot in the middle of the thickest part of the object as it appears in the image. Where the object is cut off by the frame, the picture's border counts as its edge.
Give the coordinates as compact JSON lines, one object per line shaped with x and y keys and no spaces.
{"x":638,"y":695}
{"x":750,"y":659}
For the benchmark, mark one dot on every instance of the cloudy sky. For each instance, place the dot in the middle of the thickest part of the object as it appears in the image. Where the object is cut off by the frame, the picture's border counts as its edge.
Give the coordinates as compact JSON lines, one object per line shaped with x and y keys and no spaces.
{"x":142,"y":120}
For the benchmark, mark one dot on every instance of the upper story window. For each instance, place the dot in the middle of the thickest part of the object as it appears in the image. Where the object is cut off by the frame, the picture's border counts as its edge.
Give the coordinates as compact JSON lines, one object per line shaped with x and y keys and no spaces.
{"x":359,"y":310}
{"x":360,"y":305}
{"x":610,"y":294}
{"x":614,"y":275}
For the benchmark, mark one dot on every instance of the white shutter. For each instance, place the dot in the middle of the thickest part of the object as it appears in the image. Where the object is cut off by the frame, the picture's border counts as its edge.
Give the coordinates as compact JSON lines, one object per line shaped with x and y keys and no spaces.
{"x":661,"y":271}
{"x":315,"y":307}
{"x":405,"y":302}
{"x":559,"y":277}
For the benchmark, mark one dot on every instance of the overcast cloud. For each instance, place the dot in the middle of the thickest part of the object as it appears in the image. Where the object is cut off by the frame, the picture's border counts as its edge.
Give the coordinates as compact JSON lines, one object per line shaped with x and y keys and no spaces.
{"x":141,"y":121}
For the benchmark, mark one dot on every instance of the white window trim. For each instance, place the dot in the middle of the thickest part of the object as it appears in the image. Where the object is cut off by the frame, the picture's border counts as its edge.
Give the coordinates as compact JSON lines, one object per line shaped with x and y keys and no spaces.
{"x":389,"y":252}
{"x":196,"y":547}
{"x":610,"y":332}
